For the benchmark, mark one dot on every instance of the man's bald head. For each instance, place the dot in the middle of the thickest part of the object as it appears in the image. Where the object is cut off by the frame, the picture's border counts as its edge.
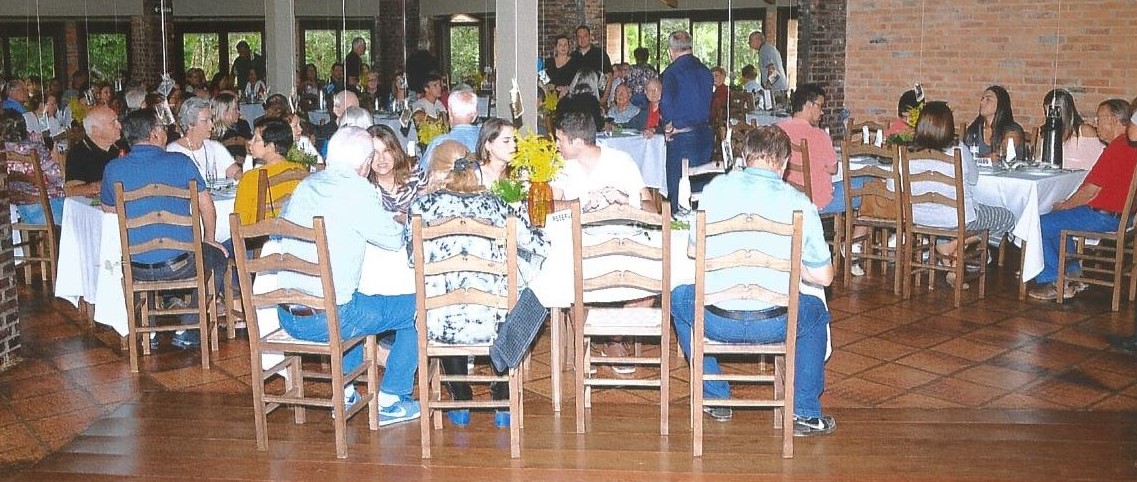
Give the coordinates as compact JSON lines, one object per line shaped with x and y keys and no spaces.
{"x":101,"y":124}
{"x":342,"y":100}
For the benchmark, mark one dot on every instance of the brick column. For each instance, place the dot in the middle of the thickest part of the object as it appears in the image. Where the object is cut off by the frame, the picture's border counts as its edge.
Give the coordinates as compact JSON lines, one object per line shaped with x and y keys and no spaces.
{"x":9,"y":306}
{"x":390,"y":36}
{"x":146,"y":42}
{"x":561,"y":17}
{"x":71,"y":50}
{"x":822,"y":54}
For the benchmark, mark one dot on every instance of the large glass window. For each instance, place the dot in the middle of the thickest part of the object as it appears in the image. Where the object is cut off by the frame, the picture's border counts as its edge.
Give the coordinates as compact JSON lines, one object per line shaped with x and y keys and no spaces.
{"x":202,"y":50}
{"x":106,"y":53}
{"x":326,"y":43}
{"x":320,"y":49}
{"x":743,"y":54}
{"x":705,"y":42}
{"x":31,"y":57}
{"x":465,"y":53}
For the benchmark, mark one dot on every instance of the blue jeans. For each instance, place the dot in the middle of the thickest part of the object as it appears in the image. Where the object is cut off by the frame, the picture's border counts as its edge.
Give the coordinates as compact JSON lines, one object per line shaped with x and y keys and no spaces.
{"x":696,"y":146}
{"x":1080,"y":218}
{"x":837,"y":205}
{"x":368,"y":315}
{"x":812,"y":338}
{"x":33,"y":213}
{"x":214,"y":261}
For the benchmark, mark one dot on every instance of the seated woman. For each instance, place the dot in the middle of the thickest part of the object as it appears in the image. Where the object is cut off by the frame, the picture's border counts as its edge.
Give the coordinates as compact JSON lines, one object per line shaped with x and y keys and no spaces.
{"x":995,"y":126}
{"x":719,"y":99}
{"x":302,"y":140}
{"x":272,"y":139}
{"x":454,"y":191}
{"x":1080,"y":145}
{"x":14,"y":135}
{"x":497,"y":143}
{"x":622,"y":111}
{"x":900,"y":123}
{"x":254,"y":87}
{"x":228,"y":126}
{"x":935,"y":131}
{"x":649,"y":119}
{"x":212,"y":159}
{"x":392,"y":173}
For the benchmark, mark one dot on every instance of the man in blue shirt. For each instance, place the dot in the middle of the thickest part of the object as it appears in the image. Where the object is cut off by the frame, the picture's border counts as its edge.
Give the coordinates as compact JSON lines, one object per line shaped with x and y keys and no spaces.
{"x":759,"y":189}
{"x":149,"y":163}
{"x":463,"y":110}
{"x":17,"y":94}
{"x":686,"y":111}
{"x":353,"y":217}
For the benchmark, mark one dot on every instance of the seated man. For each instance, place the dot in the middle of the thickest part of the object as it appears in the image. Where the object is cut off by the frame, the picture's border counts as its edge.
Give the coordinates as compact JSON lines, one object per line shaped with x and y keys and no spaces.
{"x":354,"y":217}
{"x":1095,"y":206}
{"x":807,"y":108}
{"x":149,"y":163}
{"x":87,"y":159}
{"x":597,"y":177}
{"x":463,"y":110}
{"x":759,"y":189}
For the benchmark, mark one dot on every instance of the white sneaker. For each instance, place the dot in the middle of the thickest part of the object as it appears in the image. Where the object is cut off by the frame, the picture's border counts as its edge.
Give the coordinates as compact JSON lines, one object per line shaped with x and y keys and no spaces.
{"x":857,"y":270}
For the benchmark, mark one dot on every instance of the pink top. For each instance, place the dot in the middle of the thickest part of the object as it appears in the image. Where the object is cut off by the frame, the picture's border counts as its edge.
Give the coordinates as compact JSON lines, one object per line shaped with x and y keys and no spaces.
{"x":822,"y":159}
{"x":1081,"y":152}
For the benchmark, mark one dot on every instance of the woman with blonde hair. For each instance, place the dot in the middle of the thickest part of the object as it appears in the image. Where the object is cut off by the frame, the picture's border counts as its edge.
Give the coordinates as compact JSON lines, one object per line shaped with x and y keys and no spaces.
{"x":455,"y":191}
{"x":228,"y":126}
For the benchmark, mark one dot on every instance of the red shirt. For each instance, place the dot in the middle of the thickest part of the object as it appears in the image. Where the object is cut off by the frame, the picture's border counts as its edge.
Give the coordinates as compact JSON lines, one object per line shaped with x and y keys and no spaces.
{"x":1112,"y":173}
{"x":652,"y":121}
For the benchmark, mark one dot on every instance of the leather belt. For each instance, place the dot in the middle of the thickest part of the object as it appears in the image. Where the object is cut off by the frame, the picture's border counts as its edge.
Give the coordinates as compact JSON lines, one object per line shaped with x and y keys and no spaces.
{"x":175,"y":263}
{"x":748,"y":315}
{"x":299,"y":310}
{"x":1107,"y":213}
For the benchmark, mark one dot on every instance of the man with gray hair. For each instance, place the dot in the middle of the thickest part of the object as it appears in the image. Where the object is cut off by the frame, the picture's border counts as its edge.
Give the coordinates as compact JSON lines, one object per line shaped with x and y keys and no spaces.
{"x":16,"y":94}
{"x":87,"y":159}
{"x":768,"y":54}
{"x":463,"y":110}
{"x":685,"y":108}
{"x":353,"y":62}
{"x":353,"y":217}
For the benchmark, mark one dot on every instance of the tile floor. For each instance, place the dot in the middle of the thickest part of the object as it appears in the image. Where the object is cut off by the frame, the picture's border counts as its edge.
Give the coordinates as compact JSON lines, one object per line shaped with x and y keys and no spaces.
{"x":997,"y":352}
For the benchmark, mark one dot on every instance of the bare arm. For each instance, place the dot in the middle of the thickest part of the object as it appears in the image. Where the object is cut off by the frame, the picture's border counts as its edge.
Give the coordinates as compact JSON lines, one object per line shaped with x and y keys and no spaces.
{"x":80,"y":188}
{"x":822,"y":276}
{"x":208,"y":219}
{"x":1081,"y":197}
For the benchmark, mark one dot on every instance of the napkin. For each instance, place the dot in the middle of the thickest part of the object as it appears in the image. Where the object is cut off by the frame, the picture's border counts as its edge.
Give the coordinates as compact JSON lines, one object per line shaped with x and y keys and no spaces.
{"x":1010,"y":156}
{"x":879,"y":138}
{"x":768,"y":98}
{"x":864,"y":134}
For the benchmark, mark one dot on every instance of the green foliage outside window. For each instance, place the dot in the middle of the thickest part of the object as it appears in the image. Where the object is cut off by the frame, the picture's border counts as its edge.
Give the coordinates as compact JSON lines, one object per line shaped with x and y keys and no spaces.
{"x":106,"y":53}
{"x":465,"y":51}
{"x":202,"y":51}
{"x":32,"y":58}
{"x":320,"y":49}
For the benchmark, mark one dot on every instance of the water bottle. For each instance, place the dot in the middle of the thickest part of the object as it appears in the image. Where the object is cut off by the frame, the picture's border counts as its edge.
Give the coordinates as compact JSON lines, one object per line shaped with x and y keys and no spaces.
{"x":1052,"y":138}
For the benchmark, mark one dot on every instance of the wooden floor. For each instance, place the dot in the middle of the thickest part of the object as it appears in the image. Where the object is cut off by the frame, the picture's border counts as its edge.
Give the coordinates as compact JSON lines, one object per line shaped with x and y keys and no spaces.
{"x":996,"y":390}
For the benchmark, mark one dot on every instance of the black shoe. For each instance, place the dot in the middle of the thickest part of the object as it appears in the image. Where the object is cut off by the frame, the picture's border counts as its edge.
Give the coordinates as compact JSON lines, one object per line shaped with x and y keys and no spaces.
{"x":808,"y":427}
{"x":721,"y":414}
{"x":1128,"y":343}
{"x":187,"y":339}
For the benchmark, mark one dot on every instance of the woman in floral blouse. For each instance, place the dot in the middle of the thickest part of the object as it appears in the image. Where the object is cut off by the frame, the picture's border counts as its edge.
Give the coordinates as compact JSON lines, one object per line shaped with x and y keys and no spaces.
{"x":14,"y":135}
{"x":455,"y":191}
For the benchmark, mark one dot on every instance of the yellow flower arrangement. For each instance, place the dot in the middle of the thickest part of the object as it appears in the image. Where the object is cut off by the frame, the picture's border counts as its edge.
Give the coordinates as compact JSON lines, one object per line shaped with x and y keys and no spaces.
{"x":429,"y":128}
{"x":537,"y":156}
{"x":549,"y":105}
{"x":914,"y":114}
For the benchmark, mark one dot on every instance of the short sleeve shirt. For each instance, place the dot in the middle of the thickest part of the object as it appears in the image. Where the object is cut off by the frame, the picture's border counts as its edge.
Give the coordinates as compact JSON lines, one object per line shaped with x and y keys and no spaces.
{"x":86,"y":161}
{"x":616,"y":171}
{"x":1112,"y":173}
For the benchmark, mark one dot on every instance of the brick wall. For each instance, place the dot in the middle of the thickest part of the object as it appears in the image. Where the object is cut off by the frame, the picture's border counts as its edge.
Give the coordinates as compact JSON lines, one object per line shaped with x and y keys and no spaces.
{"x":561,"y":17}
{"x":822,"y":56}
{"x":146,"y":43}
{"x":71,"y":49}
{"x":9,"y":312}
{"x":966,"y":45}
{"x":389,"y":33}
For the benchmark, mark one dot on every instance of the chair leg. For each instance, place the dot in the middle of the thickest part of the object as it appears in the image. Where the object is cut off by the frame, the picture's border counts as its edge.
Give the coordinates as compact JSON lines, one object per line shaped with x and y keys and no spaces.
{"x":514,"y":414}
{"x":1060,"y":285}
{"x":664,"y":382}
{"x":555,"y":356}
{"x":371,"y":355}
{"x":581,"y":369}
{"x":425,"y":397}
{"x":1022,"y":271}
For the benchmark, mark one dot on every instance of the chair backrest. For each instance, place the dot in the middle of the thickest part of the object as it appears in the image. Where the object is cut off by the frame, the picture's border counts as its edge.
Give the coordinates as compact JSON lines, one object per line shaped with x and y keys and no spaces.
{"x":638,"y":246}
{"x":248,"y":269}
{"x":464,"y":262}
{"x":806,"y":184}
{"x":35,"y":177}
{"x":1127,"y":215}
{"x":752,"y":258}
{"x":930,"y":177}
{"x":877,"y":172}
{"x":854,"y":131}
{"x":191,"y":222}
{"x":266,"y":203}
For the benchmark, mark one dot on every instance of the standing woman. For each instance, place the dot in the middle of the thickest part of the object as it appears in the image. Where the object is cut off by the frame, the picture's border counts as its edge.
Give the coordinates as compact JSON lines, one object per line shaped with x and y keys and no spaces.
{"x":560,"y":67}
{"x":995,"y":125}
{"x":1080,"y":145}
{"x":497,"y":143}
{"x":392,"y":173}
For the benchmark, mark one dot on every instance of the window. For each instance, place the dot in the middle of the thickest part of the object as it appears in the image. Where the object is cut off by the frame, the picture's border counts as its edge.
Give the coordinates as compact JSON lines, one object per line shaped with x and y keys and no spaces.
{"x":202,"y":50}
{"x":320,"y":49}
{"x":254,"y":41}
{"x":31,"y":57}
{"x":326,"y":42}
{"x":107,"y":54}
{"x":465,"y":53}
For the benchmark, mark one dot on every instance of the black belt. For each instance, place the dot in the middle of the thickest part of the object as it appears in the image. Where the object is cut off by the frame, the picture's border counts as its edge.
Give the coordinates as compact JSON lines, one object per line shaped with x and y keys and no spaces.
{"x":299,"y":310}
{"x":748,"y":315}
{"x":177,"y":261}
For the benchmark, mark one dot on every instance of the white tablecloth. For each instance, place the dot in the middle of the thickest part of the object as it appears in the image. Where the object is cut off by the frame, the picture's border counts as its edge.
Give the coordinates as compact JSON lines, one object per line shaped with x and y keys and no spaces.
{"x":251,"y":112}
{"x":90,"y":257}
{"x":764,"y":118}
{"x":1028,"y":195}
{"x":649,"y":154}
{"x":395,"y":125}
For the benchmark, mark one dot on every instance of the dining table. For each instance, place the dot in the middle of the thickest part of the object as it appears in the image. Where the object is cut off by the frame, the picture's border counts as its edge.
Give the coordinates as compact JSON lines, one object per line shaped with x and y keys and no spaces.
{"x":766,"y":117}
{"x":407,"y":139}
{"x":649,"y":154}
{"x":90,"y":257}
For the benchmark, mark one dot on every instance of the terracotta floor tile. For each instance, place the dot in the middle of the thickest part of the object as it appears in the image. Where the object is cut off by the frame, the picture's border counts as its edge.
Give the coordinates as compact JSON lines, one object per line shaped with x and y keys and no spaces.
{"x":115,"y":392}
{"x":863,"y":325}
{"x":86,"y":358}
{"x":1021,"y":401}
{"x":187,"y":377}
{"x":1070,"y":391}
{"x":849,"y":363}
{"x":1064,"y":315}
{"x":914,"y":335}
{"x":1078,"y":335}
{"x":976,"y":315}
{"x":1029,"y":326}
{"x":22,"y":389}
{"x":221,"y":386}
{"x":1001,"y":336}
{"x":99,"y":374}
{"x":948,"y":325}
{"x":1062,"y":352}
{"x":66,"y":426}
{"x":969,"y":349}
{"x":961,"y":392}
{"x":54,"y":403}
{"x":857,"y":393}
{"x":1119,"y":403}
{"x":23,"y":455}
{"x":29,"y":367}
{"x":934,"y":361}
{"x":899,"y":376}
{"x":1028,"y":362}
{"x":841,"y":337}
{"x":16,"y":436}
{"x":880,"y":349}
{"x":996,"y":376}
{"x":1113,"y":361}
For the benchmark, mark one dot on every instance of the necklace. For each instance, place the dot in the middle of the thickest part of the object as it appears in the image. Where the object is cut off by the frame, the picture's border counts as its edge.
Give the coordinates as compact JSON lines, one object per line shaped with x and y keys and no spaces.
{"x":203,"y":166}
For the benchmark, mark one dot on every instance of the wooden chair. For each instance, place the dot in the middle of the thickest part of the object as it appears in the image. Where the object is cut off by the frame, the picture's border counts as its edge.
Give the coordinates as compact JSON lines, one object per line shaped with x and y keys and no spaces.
{"x":1106,"y":262}
{"x":144,"y":298}
{"x":854,"y":131}
{"x":920,"y":255}
{"x":621,"y":321}
{"x":278,"y":342}
{"x":875,"y":190}
{"x":806,"y":186}
{"x":39,"y":243}
{"x":784,"y":353}
{"x":267,"y":205}
{"x":430,"y":375}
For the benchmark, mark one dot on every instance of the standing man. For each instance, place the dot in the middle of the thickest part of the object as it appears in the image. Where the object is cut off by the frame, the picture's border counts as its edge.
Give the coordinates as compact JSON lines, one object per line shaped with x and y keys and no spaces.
{"x":686,"y":111}
{"x":353,"y":63}
{"x":768,"y":54}
{"x":588,"y":56}
{"x":246,"y":60}
{"x":87,"y":159}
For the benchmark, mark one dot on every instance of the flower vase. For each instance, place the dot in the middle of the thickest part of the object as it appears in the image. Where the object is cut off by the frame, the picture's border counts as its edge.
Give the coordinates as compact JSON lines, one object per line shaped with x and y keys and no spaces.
{"x":540,"y":203}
